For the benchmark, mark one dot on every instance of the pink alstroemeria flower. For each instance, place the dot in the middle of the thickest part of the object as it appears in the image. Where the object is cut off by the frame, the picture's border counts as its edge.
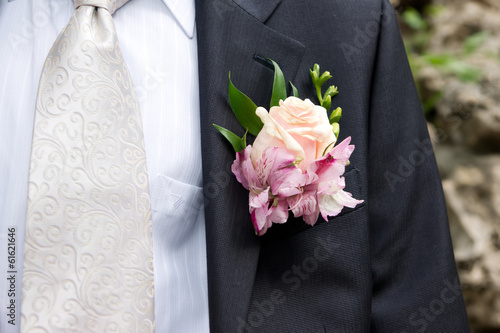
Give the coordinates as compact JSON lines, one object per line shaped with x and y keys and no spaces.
{"x":323,"y":191}
{"x":271,"y":182}
{"x":277,"y":185}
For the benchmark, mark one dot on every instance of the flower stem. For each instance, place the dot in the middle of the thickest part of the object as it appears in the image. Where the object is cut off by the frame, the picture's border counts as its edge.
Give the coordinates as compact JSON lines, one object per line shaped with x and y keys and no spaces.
{"x":318,"y":92}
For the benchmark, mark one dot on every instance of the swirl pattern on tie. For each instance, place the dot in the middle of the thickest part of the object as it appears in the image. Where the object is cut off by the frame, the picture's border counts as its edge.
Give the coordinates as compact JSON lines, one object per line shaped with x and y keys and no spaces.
{"x":88,"y":252}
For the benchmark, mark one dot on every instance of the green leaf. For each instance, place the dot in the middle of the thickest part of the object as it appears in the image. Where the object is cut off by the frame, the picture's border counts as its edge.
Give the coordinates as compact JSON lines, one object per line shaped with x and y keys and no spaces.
{"x":468,"y":74}
{"x":279,"y":86}
{"x":413,"y":19}
{"x":243,"y":140}
{"x":335,"y":116}
{"x":450,"y":64}
{"x":438,"y":59}
{"x":294,"y":89}
{"x":244,"y":110}
{"x":474,"y":41}
{"x":434,"y":10}
{"x":235,"y":140}
{"x":430,"y":103}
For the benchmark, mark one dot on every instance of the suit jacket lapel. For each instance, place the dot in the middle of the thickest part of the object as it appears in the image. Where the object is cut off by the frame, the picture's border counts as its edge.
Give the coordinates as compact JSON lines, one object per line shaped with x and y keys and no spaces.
{"x":229,"y":35}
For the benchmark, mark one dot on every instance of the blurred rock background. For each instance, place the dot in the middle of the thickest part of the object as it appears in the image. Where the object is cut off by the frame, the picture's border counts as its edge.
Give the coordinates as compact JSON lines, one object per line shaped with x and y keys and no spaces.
{"x":454,"y":51}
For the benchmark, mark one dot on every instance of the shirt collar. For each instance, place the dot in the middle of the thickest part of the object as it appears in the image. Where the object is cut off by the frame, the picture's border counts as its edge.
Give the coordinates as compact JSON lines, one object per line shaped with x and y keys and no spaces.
{"x":184,"y":13}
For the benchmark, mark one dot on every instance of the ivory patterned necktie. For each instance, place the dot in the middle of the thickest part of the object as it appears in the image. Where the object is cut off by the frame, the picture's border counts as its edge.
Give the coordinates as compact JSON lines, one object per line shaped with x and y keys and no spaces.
{"x":88,"y":263}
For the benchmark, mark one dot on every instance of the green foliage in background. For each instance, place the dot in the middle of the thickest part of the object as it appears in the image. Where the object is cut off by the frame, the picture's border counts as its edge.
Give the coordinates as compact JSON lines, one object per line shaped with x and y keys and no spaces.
{"x":417,"y":41}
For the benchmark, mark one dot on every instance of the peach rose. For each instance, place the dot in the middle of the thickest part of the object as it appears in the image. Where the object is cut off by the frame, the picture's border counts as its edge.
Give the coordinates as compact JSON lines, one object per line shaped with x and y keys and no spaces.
{"x":298,"y":126}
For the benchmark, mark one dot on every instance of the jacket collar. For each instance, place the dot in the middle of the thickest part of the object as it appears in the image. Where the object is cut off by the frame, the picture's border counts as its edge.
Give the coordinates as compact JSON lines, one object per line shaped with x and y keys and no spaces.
{"x":184,"y":11}
{"x":261,"y":9}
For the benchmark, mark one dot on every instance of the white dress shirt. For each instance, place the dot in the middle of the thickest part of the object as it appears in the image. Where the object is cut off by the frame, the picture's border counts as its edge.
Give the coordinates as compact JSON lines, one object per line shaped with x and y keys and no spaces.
{"x":158,"y":42}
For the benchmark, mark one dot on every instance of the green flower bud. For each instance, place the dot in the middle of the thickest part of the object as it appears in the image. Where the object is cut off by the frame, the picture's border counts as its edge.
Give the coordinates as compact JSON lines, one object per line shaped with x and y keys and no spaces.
{"x":336,"y":129}
{"x":324,"y":77}
{"x":314,"y":77}
{"x":335,"y":116}
{"x":331,"y":91}
{"x":327,"y":103}
{"x":316,"y":68}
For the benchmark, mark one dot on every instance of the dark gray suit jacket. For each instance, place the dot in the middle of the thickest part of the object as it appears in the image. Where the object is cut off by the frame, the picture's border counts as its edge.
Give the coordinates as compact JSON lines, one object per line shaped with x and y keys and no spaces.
{"x":385,"y":266}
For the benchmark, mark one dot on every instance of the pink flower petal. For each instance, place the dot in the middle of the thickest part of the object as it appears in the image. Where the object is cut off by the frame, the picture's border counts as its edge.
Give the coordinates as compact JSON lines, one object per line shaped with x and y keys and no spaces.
{"x":272,"y":159}
{"x":259,"y":221}
{"x":332,"y":165}
{"x":332,"y":204}
{"x":329,"y":206}
{"x":279,"y":214}
{"x":259,"y":200}
{"x":305,"y":205}
{"x":311,"y":218}
{"x":243,"y":170}
{"x":287,"y":182}
{"x":276,"y":185}
{"x":346,"y":199}
{"x":342,"y":151}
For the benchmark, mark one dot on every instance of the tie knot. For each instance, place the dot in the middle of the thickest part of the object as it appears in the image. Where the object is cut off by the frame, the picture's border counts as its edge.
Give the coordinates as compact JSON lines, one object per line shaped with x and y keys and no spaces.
{"x":110,"y":5}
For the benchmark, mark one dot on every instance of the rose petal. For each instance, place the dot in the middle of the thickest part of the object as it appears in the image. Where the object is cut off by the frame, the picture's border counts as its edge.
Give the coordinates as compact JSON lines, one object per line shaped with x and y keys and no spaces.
{"x":325,"y":146}
{"x":294,"y":111}
{"x":317,"y":133}
{"x":273,"y":129}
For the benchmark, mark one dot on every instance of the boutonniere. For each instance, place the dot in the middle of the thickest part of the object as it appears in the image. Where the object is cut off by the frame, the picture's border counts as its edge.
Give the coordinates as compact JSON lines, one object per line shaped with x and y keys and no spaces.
{"x":294,"y":163}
